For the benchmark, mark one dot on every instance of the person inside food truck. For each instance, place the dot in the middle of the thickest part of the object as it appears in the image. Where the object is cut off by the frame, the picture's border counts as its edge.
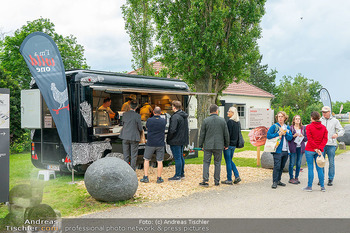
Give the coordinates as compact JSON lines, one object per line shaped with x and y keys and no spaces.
{"x":107,"y":107}
{"x":126,"y":105}
{"x":146,"y":111}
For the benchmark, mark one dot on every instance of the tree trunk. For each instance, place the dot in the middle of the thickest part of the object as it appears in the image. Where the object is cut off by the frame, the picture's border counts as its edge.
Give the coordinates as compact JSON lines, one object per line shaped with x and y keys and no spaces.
{"x":204,"y":101}
{"x":203,"y":104}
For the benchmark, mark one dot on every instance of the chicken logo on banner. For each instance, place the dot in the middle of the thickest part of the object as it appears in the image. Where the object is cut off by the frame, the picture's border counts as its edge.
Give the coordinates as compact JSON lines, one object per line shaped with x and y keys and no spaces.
{"x":59,"y":97}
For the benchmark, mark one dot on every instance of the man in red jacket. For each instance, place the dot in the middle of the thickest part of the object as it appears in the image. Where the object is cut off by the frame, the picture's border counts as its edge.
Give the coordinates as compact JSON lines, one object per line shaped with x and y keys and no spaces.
{"x":317,"y":136}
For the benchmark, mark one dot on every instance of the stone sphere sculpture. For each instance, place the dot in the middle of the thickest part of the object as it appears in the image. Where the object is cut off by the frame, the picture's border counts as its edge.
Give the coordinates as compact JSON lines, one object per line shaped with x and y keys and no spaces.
{"x":346,"y":137}
{"x":110,"y":179}
{"x":267,"y":161}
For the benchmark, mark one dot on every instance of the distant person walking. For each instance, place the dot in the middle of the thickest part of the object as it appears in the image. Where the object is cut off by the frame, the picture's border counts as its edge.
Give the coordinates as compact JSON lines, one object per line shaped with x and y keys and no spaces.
{"x":130,"y":134}
{"x":317,"y":139}
{"x":281,"y":155}
{"x":155,"y":144}
{"x":177,"y":138}
{"x":234,"y":127}
{"x":335,"y":130}
{"x":213,"y":138}
{"x":296,"y":148}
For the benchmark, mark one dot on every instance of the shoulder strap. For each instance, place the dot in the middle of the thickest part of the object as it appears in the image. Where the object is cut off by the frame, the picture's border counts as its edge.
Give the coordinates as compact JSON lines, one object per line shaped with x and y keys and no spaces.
{"x":276,"y":128}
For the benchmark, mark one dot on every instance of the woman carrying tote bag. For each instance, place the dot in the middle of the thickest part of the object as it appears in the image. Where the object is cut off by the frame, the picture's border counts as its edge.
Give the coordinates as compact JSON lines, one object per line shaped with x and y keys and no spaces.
{"x":317,"y":136}
{"x":234,"y":127}
{"x":281,"y":155}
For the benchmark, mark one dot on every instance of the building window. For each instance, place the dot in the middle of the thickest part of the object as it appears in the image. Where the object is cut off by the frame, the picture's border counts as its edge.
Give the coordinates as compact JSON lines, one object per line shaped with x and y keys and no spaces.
{"x":240,"y":110}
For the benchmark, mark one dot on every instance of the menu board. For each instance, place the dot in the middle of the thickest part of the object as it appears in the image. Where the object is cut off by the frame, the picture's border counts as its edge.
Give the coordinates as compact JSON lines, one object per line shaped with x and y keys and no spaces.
{"x":260,"y":117}
{"x":4,"y":111}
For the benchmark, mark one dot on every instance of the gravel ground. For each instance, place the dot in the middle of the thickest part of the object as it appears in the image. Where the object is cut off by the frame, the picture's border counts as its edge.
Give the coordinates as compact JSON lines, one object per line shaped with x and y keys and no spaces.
{"x":153,"y":192}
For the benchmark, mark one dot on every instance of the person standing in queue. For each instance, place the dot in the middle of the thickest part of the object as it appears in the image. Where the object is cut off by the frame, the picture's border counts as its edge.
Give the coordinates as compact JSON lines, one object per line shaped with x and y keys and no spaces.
{"x":130,"y":134}
{"x":155,"y":144}
{"x":213,"y":138}
{"x":334,"y":130}
{"x":317,"y":136}
{"x":280,"y":129}
{"x":296,"y":148}
{"x":177,"y":138}
{"x":233,"y":126}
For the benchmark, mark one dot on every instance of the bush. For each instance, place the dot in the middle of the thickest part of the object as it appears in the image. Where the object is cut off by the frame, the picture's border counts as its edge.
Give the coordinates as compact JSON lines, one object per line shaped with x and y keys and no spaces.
{"x":21,"y":144}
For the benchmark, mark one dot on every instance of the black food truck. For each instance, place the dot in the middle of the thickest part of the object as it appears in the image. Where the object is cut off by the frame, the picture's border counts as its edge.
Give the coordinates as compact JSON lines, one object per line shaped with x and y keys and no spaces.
{"x":94,"y":134}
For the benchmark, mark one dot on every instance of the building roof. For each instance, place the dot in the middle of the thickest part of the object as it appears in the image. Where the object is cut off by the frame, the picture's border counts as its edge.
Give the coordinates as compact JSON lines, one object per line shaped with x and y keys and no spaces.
{"x":245,"y":89}
{"x":241,"y":88}
{"x":157,"y":65}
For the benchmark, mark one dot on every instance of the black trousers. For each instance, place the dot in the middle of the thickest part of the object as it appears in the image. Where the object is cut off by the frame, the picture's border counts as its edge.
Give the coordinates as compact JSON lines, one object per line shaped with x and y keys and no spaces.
{"x":279,"y":161}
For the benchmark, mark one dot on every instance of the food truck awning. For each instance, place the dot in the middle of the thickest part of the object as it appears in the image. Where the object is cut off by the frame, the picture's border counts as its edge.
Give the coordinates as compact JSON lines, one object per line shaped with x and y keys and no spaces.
{"x":116,"y":89}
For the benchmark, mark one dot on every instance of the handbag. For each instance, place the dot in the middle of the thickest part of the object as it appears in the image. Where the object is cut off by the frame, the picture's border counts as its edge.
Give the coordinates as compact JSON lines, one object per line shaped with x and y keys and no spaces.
{"x":272,"y":144}
{"x":240,"y":141}
{"x":142,"y":137}
{"x":321,"y":162}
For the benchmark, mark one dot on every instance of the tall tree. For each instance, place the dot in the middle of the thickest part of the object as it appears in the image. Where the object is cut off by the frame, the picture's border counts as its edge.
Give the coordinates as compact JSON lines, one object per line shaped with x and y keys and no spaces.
{"x":16,"y":75}
{"x":262,"y":78}
{"x":139,"y":25}
{"x":209,"y":44}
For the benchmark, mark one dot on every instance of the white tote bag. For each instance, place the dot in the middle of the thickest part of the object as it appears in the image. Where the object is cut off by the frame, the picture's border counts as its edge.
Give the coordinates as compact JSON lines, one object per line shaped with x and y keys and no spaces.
{"x":272,"y":144}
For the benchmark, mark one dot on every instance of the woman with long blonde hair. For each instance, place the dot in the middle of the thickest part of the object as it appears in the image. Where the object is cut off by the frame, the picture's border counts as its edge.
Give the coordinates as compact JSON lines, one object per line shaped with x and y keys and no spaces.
{"x":233,"y":129}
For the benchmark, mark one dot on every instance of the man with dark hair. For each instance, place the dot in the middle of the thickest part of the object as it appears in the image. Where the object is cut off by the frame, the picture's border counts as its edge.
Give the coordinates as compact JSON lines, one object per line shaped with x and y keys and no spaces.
{"x":177,"y":138}
{"x":107,"y":107}
{"x":213,"y":138}
{"x":130,"y":134}
{"x":155,"y":144}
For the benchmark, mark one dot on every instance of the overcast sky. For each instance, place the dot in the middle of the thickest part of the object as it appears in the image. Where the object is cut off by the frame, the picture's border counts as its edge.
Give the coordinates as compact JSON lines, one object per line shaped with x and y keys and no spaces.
{"x":310,"y":37}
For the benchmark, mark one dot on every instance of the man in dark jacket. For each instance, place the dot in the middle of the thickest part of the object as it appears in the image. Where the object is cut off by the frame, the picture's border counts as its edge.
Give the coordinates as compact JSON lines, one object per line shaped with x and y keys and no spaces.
{"x":213,"y":138}
{"x":177,"y":138}
{"x":130,"y":134}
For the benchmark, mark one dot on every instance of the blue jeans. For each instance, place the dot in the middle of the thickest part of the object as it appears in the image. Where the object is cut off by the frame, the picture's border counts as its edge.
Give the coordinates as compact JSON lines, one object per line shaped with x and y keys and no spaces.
{"x":310,"y":159}
{"x":330,"y":151}
{"x":230,"y":165}
{"x":179,"y":159}
{"x":295,"y":159}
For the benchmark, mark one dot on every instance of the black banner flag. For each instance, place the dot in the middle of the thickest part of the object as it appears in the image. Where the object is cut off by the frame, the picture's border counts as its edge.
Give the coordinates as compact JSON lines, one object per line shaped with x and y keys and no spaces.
{"x":45,"y":64}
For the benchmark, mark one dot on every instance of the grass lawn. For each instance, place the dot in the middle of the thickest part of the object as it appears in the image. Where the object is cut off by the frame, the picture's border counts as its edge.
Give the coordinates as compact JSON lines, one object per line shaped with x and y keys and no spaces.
{"x":69,"y":199}
{"x":240,"y":162}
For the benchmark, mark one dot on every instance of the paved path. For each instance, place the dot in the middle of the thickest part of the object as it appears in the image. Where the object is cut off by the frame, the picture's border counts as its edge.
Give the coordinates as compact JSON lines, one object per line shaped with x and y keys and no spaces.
{"x":255,"y":200}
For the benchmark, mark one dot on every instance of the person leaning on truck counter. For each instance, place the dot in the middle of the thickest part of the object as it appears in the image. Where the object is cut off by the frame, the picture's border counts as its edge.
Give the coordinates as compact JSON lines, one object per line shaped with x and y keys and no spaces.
{"x":126,"y":105}
{"x":130,"y":134}
{"x":106,"y":106}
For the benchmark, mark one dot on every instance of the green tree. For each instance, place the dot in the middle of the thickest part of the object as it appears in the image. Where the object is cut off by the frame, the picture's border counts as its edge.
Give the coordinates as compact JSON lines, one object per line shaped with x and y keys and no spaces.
{"x":298,"y":92}
{"x":336,"y":107}
{"x":139,"y":25}
{"x":16,"y":76}
{"x":262,"y":78}
{"x":12,"y":62}
{"x":209,"y":44}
